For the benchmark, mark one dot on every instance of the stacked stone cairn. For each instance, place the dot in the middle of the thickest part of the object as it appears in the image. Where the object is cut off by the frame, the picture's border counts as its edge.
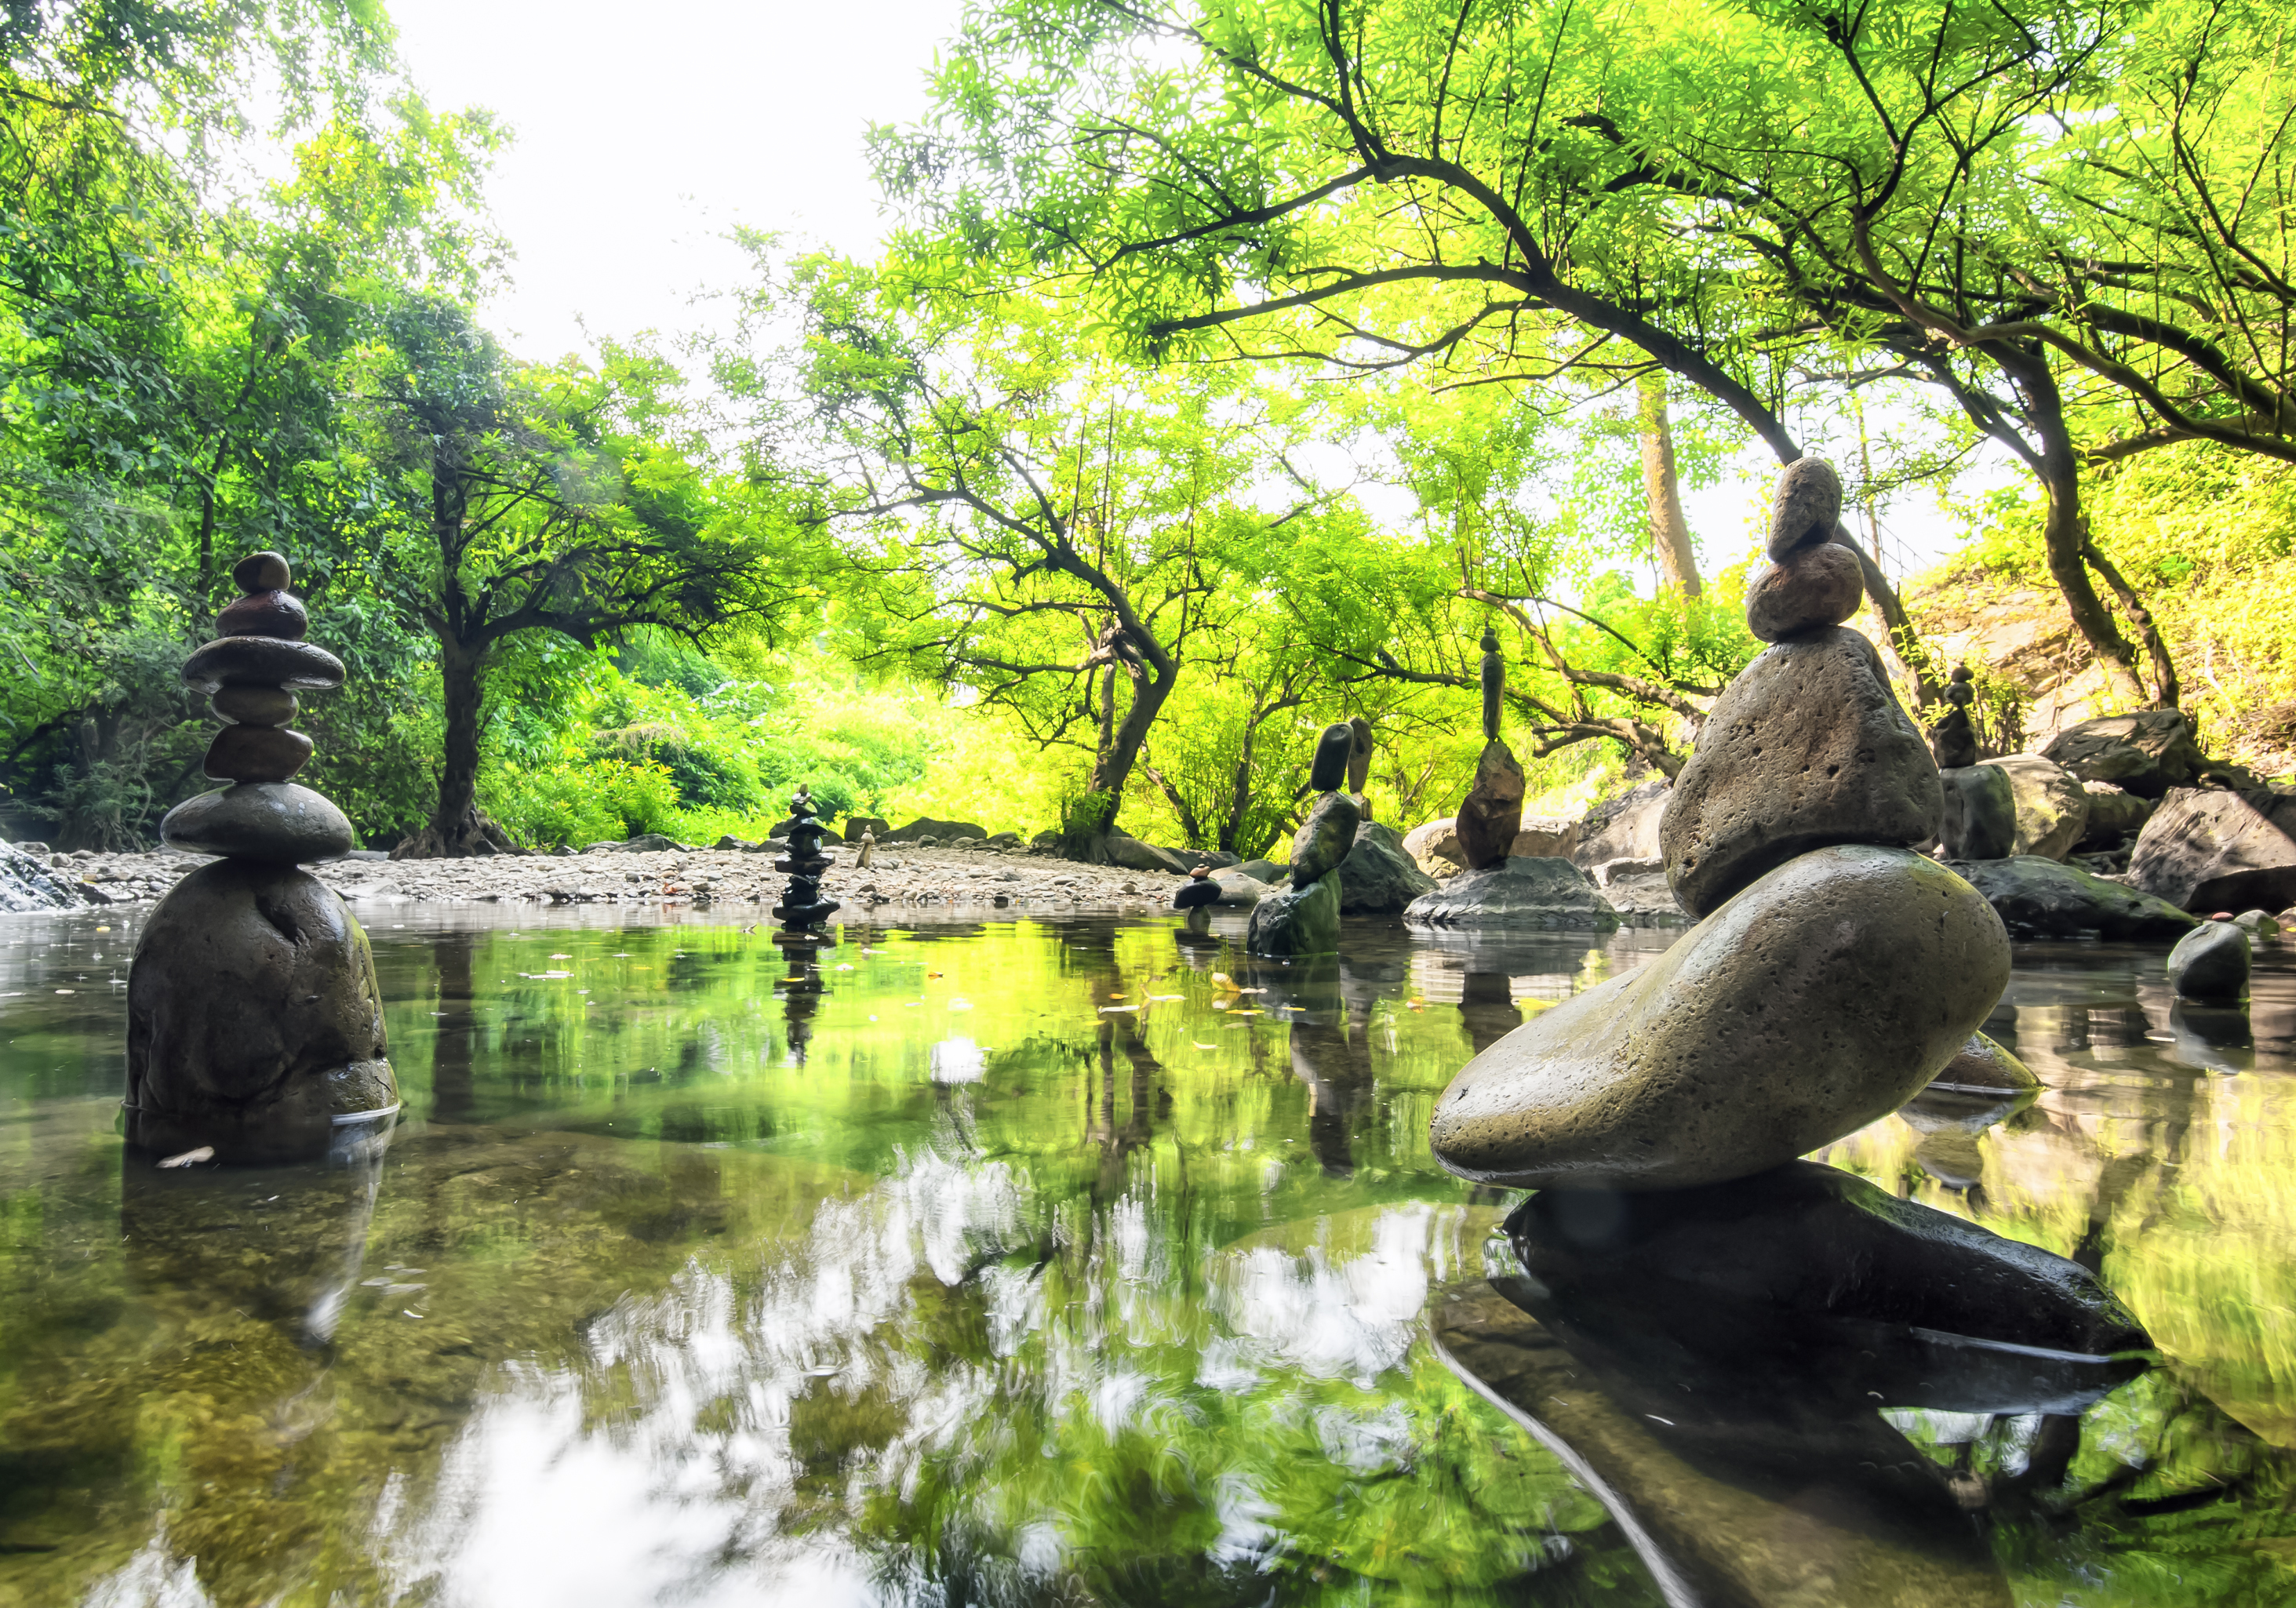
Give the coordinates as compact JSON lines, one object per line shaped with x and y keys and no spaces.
{"x":1981,"y":800}
{"x":1833,"y":971}
{"x":1304,"y":918}
{"x":254,"y":1018}
{"x":802,"y":909}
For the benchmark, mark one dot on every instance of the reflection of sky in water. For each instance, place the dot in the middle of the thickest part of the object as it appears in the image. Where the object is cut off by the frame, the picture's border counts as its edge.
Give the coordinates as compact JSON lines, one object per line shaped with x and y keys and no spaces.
{"x":1066,"y":1304}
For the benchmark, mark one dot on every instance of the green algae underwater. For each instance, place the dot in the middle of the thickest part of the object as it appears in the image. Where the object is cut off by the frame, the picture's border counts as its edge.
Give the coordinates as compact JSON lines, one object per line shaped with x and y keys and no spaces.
{"x":1049,"y":1263}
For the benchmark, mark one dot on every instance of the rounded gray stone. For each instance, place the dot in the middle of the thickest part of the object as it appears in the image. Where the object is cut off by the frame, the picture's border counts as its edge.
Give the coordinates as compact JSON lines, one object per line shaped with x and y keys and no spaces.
{"x":1377,"y":878}
{"x":1820,"y":998}
{"x":1326,"y":837}
{"x":2210,"y":962}
{"x":2052,"y":805}
{"x":278,"y":822}
{"x":1808,"y":747}
{"x":1808,"y":590}
{"x":2036,"y":897}
{"x":1983,"y":1066}
{"x":1296,"y":922}
{"x":1543,"y":893}
{"x":1805,"y":506}
{"x":1981,"y":813}
{"x":254,"y":1017}
{"x":299,"y":666}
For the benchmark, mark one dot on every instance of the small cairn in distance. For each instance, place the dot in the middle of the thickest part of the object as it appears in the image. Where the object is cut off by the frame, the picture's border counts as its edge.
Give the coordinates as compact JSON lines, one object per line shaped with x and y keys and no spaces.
{"x":802,"y":909}
{"x":254,"y":1015}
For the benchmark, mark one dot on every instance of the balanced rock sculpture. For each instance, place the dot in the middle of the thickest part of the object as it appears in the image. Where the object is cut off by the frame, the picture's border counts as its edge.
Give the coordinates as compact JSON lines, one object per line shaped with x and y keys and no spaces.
{"x":1834,"y":972}
{"x":1954,"y":738}
{"x":254,"y":1018}
{"x":1492,"y":814}
{"x":1304,"y":919}
{"x":802,"y":909}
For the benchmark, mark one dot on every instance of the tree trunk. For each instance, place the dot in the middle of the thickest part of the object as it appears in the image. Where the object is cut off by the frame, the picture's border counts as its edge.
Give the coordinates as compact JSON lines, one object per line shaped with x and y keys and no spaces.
{"x":458,"y":827}
{"x":1083,"y":835}
{"x":1670,"y":532}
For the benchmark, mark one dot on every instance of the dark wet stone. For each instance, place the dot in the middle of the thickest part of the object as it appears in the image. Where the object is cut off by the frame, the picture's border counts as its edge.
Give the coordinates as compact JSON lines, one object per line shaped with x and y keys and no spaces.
{"x":1983,"y":1065}
{"x":1952,"y":741}
{"x":1378,"y":878}
{"x":1820,"y":998}
{"x":1492,"y":814}
{"x":254,"y":705}
{"x":1981,"y":813}
{"x":1813,"y":1260}
{"x":264,"y":571}
{"x":1806,"y":748}
{"x":2038,"y":898}
{"x":254,"y":1019}
{"x":1333,"y":749}
{"x":2210,"y":962}
{"x":855,"y":825}
{"x":2210,"y":849}
{"x":278,"y":614}
{"x":1297,"y":921}
{"x":274,"y":821}
{"x":1197,"y":891}
{"x":1808,"y":590}
{"x":255,"y":753}
{"x":1522,"y":891}
{"x":1805,"y":506}
{"x":1324,"y":838}
{"x":2145,"y":753}
{"x":262,"y":661}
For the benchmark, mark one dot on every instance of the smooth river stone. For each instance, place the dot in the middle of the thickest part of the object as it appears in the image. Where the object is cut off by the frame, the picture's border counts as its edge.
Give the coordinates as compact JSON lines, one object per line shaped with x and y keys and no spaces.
{"x":255,"y":753}
{"x":262,"y":661}
{"x":274,"y":821}
{"x":254,"y":1018}
{"x":1981,"y":813}
{"x":1325,"y":837}
{"x":1335,"y":749}
{"x":264,"y":571}
{"x":1808,"y":747}
{"x":2210,"y":962}
{"x":254,"y":705}
{"x":1808,"y":590}
{"x":1822,"y":997}
{"x":265,"y":614}
{"x":1295,"y":922}
{"x":1492,"y":814}
{"x":1805,"y":506}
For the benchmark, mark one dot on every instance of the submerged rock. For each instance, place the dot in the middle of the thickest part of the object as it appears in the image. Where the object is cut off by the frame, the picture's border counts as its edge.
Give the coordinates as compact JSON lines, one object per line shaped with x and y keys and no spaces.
{"x":1806,"y":748}
{"x":1297,"y":921}
{"x":1378,"y":878}
{"x":2036,"y":897}
{"x":1820,"y":998}
{"x":1520,"y":892}
{"x":2217,"y":850}
{"x":254,"y":1018}
{"x":2210,"y":962}
{"x":1981,"y":1066}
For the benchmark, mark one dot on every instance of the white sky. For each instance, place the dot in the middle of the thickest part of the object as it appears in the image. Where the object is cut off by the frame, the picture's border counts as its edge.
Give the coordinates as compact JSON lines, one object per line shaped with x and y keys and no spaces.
{"x":642,"y":136}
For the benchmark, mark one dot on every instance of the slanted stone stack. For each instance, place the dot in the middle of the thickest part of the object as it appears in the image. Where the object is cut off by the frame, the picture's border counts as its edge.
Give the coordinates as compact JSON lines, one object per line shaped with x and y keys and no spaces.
{"x":1304,"y":919}
{"x":802,"y":908}
{"x":1833,"y":970}
{"x":255,"y":1021}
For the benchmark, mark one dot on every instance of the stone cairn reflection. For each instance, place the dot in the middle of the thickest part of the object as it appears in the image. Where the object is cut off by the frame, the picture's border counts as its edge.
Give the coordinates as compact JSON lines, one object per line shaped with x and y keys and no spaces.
{"x":1835,"y":972}
{"x":1304,"y":918}
{"x":254,"y":1019}
{"x":802,"y":909}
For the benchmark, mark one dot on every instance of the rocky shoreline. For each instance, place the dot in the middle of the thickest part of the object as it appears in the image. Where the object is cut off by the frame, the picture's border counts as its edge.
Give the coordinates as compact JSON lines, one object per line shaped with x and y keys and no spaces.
{"x":911,"y":877}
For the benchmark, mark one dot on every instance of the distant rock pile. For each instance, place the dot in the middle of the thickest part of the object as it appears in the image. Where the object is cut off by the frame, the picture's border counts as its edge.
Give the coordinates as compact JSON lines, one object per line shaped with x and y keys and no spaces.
{"x":255,"y":1020}
{"x":802,"y":908}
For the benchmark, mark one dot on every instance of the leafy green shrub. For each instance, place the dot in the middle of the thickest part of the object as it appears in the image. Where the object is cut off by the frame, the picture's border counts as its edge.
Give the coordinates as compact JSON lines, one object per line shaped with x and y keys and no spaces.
{"x":567,"y":803}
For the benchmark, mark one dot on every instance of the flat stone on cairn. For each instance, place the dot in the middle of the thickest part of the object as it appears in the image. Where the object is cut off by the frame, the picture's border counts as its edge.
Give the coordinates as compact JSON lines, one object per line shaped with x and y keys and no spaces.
{"x":1835,"y":972}
{"x":255,"y":1022}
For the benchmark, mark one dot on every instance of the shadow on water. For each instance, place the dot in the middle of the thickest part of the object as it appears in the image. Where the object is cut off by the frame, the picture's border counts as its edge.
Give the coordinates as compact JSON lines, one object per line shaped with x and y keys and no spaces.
{"x":1087,"y":1262}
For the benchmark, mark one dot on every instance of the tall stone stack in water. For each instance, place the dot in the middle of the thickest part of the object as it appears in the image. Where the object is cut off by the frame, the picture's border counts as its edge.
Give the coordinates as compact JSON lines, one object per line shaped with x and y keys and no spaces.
{"x":254,"y":1019}
{"x":1833,"y":972}
{"x":802,"y":909}
{"x":1304,"y":919}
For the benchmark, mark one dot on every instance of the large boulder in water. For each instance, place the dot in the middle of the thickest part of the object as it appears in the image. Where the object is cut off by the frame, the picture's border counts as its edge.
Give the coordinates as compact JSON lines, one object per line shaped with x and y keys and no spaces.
{"x":1527,"y":892}
{"x":2038,"y":898}
{"x":2210,"y":849}
{"x":2210,"y":962}
{"x":2052,"y":808}
{"x":1378,"y":878}
{"x":254,"y":1018}
{"x":1806,"y":748}
{"x":1296,"y":922}
{"x":1820,"y":998}
{"x":2145,"y":753}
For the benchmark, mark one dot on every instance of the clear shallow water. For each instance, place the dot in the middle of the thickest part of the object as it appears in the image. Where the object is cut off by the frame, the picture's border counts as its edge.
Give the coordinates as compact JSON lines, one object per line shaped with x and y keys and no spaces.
{"x":1023,"y":1263}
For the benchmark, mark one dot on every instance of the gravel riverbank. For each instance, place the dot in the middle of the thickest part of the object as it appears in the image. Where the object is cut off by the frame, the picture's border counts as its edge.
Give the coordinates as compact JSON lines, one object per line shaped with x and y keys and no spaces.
{"x":906,"y":876}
